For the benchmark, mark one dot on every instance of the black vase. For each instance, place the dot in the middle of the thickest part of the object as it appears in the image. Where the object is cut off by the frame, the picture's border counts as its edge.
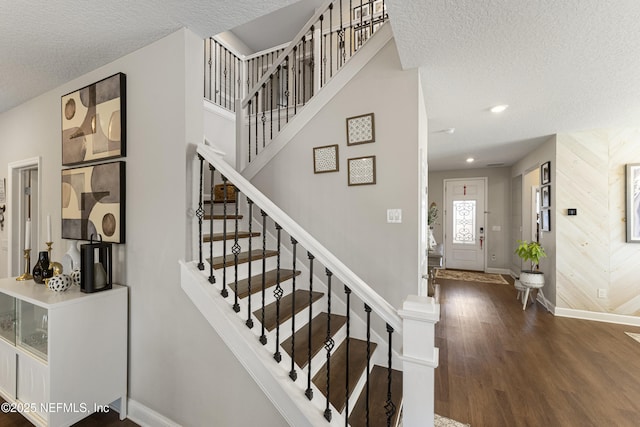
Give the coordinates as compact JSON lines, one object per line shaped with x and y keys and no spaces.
{"x":41,"y":270}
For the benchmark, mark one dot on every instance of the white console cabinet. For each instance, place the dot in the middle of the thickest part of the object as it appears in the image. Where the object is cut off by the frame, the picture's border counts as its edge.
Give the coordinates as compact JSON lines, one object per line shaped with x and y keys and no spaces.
{"x":63,"y":355}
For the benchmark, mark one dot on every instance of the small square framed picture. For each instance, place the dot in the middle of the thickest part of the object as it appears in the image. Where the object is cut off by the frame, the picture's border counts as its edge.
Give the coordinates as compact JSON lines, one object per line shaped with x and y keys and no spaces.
{"x":545,"y":173}
{"x":325,"y":159}
{"x":545,"y":196}
{"x":361,"y":129}
{"x":545,"y":220}
{"x":362,"y":170}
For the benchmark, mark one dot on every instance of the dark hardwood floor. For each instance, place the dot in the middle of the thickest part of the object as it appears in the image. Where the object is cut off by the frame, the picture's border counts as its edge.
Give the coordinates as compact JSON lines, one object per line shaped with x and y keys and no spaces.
{"x":104,"y":419}
{"x":501,"y":366}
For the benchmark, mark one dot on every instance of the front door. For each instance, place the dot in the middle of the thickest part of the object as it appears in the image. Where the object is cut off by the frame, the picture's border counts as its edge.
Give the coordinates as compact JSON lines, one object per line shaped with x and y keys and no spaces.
{"x":464,"y":233}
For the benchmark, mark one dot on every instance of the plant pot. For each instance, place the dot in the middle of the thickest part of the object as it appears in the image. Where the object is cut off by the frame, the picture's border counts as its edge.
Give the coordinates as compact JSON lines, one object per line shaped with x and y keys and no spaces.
{"x":532,"y":279}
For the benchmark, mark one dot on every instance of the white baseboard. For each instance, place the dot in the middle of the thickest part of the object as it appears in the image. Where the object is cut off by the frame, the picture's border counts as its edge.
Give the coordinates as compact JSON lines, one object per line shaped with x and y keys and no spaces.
{"x":597,"y":316}
{"x":147,"y":417}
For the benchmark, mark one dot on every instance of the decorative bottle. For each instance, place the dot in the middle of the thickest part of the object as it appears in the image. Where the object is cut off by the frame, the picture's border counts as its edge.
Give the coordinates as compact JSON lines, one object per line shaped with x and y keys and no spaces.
{"x":41,"y":269}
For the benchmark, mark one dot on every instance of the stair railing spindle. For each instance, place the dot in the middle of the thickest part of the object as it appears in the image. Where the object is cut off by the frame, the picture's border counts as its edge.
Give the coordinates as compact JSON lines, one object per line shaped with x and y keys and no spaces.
{"x":328,"y":345}
{"x":200,"y":213}
{"x":331,"y":40}
{"x":293,"y":374}
{"x":390,"y":407}
{"x":323,"y":55}
{"x":367,"y":309}
{"x":257,"y":108}
{"x":212,"y":170}
{"x":304,"y":69}
{"x":286,"y":90}
{"x":264,"y":114}
{"x":263,"y":337}
{"x":235,"y":250}
{"x":224,"y":291}
{"x":249,"y":321}
{"x":312,"y":66}
{"x":271,"y":107}
{"x":249,"y":110}
{"x":278,"y":292}
{"x":347,"y":292}
{"x":278,"y":94}
{"x":309,"y":391}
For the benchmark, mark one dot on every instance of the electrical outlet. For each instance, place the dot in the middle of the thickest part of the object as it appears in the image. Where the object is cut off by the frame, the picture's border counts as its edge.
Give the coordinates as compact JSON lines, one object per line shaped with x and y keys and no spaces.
{"x":602,"y":293}
{"x":394,"y":216}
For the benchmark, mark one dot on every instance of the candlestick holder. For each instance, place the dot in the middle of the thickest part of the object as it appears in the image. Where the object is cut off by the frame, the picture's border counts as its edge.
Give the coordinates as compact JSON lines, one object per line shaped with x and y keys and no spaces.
{"x":27,"y":267}
{"x":55,"y":266}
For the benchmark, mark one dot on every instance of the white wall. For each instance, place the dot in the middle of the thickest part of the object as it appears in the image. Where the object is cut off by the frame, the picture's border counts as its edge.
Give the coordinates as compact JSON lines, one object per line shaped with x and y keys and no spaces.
{"x":178,"y":366}
{"x":499,"y":192}
{"x":529,"y":168}
{"x":592,"y":249}
{"x":220,"y":130}
{"x":351,"y":221}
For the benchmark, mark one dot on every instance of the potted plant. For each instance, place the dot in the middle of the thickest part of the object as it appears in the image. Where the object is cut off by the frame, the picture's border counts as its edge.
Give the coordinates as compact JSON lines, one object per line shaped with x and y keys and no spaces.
{"x":531,"y":252}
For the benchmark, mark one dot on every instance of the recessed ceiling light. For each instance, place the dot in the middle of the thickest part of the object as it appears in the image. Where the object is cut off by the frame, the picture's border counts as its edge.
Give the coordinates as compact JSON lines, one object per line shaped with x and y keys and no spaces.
{"x":499,"y":108}
{"x":470,"y":160}
{"x":449,"y":130}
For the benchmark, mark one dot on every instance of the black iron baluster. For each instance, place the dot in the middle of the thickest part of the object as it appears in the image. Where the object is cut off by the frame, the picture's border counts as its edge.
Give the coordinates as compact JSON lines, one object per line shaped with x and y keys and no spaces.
{"x":367,"y":309}
{"x":208,"y":41}
{"x":211,"y":77}
{"x":235,"y":250}
{"x":304,"y":69}
{"x":328,"y":345}
{"x":224,"y":73}
{"x":264,"y":116}
{"x":279,"y":92}
{"x":278,"y":292}
{"x":219,"y":66}
{"x":257,"y":107}
{"x":293,"y":374}
{"x":227,"y":93}
{"x":295,"y":71}
{"x":323,"y":55}
{"x":323,"y":80}
{"x":200,"y":214}
{"x":286,"y":83}
{"x":224,"y":291}
{"x":271,"y":107}
{"x":390,"y":408}
{"x":383,"y":11}
{"x":331,"y":40}
{"x":249,"y":114}
{"x":312,"y":63}
{"x":212,"y":278}
{"x":309,"y":392}
{"x":361,"y":29}
{"x":263,"y":337}
{"x":347,"y":291}
{"x":249,"y":321}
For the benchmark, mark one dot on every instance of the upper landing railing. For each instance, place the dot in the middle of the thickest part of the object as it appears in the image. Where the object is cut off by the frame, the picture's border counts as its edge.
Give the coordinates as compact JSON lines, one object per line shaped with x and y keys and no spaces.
{"x":273,"y":85}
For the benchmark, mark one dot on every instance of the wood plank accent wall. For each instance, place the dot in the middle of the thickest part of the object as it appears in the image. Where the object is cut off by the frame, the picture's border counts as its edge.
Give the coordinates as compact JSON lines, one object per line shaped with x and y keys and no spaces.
{"x":591,"y":250}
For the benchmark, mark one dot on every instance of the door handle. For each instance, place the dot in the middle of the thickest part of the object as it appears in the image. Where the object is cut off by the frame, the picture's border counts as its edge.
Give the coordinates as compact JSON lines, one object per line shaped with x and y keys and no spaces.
{"x":481,"y":240}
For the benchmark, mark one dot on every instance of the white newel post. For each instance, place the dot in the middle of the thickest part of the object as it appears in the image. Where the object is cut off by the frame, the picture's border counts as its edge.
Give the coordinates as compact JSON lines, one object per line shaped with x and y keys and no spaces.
{"x":420,"y":359}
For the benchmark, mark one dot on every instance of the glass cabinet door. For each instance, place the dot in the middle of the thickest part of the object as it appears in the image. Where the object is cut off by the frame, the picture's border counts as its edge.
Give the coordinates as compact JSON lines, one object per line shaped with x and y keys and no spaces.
{"x":8,"y":318}
{"x":33,"y":328}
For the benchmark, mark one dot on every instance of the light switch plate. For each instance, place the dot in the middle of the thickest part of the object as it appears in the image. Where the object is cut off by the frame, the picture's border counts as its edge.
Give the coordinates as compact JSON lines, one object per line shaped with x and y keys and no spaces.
{"x":394,"y":216}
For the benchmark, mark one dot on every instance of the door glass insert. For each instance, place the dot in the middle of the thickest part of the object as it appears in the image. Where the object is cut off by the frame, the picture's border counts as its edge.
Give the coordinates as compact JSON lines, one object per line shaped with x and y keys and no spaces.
{"x":464,"y":222}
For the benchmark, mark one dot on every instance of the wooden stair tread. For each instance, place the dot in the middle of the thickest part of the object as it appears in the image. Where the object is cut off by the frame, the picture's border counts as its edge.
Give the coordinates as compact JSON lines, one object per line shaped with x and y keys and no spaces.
{"x":231,"y":235}
{"x":270,"y":280}
{"x":286,"y":303}
{"x":243,"y":257}
{"x":357,"y":366}
{"x":378,"y":399}
{"x":318,"y":335}
{"x":207,"y":217}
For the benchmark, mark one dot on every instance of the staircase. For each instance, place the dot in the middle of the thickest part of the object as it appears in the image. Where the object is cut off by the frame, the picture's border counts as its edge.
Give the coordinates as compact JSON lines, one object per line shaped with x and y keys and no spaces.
{"x":302,"y":318}
{"x":321,"y":344}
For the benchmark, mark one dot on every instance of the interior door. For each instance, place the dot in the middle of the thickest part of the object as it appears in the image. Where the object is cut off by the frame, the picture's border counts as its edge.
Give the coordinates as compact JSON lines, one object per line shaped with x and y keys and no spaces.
{"x":465,"y":224}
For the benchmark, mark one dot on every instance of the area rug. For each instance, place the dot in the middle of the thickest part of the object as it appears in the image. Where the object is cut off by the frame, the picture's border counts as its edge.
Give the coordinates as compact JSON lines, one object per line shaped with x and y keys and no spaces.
{"x":634,"y":335}
{"x":471,"y":276}
{"x":447,"y":422}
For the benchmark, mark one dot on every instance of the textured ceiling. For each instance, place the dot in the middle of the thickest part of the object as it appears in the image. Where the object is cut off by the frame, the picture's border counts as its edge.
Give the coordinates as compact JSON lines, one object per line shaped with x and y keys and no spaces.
{"x":560,"y":65}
